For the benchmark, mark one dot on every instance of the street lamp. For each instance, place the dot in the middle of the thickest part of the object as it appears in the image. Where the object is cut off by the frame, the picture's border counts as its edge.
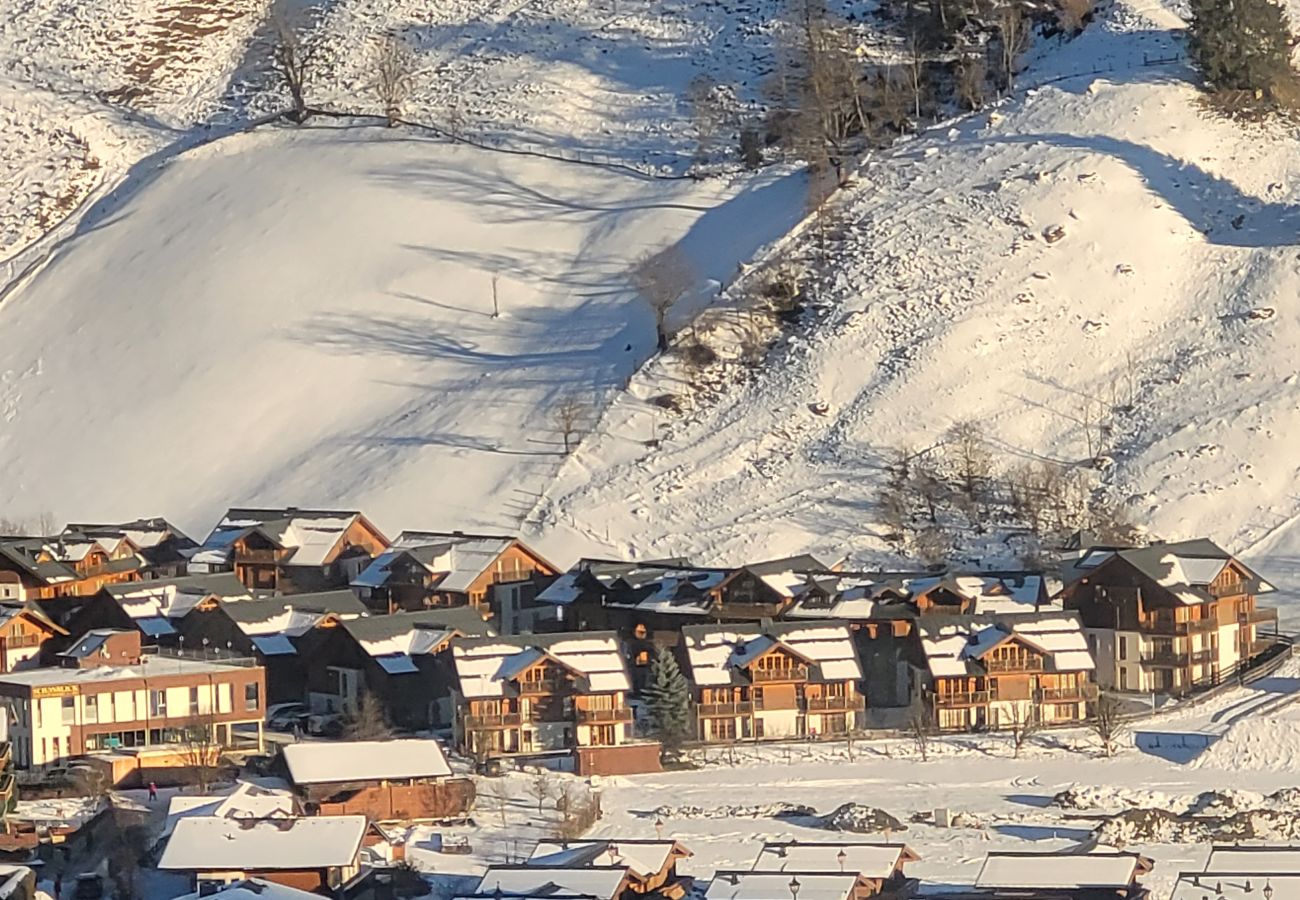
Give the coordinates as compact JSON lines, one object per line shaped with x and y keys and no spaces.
{"x":659,"y":828}
{"x":794,"y":887}
{"x":1268,"y":889}
{"x":841,"y":856}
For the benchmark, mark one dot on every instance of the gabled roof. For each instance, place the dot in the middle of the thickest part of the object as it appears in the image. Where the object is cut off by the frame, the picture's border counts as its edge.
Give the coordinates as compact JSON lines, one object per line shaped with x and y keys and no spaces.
{"x":866,"y":858}
{"x":721,"y":654}
{"x":589,"y":882}
{"x":251,"y":889}
{"x":171,"y":598}
{"x":52,"y":560}
{"x":158,"y":540}
{"x":455,"y":559}
{"x":1184,"y":568}
{"x":643,"y":858}
{"x":312,"y":534}
{"x":90,"y":643}
{"x":665,"y":586}
{"x":246,"y":801}
{"x":487,"y":667}
{"x":213,"y":843}
{"x":352,"y":761}
{"x":737,"y":885}
{"x":11,"y":610}
{"x":293,"y":615}
{"x":1254,"y":858}
{"x":954,"y":645}
{"x":1101,"y":870}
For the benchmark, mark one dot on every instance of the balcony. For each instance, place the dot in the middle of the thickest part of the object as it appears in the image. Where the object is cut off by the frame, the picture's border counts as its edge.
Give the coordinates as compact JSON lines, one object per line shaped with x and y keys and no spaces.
{"x":503,"y":720}
{"x":1257,"y":617}
{"x":793,"y":673}
{"x":1165,"y":659}
{"x":832,"y":704}
{"x":961,"y":698}
{"x":545,"y":686}
{"x":737,"y":708}
{"x":1075,"y":694}
{"x":251,"y":557}
{"x":1160,"y":625}
{"x":1235,"y":589}
{"x":594,"y":716}
{"x":1004,"y":666}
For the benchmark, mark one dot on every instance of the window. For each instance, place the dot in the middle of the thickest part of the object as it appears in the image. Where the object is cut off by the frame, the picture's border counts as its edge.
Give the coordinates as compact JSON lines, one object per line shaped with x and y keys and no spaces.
{"x":37,"y":716}
{"x":1123,"y":648}
{"x":68,"y":707}
{"x":158,"y":703}
{"x":252,"y":698}
{"x":194,"y":701}
{"x":90,"y":710}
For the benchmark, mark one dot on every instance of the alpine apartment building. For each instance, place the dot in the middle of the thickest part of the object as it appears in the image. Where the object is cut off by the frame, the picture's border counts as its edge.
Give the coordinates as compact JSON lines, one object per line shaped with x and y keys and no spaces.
{"x":106,"y":694}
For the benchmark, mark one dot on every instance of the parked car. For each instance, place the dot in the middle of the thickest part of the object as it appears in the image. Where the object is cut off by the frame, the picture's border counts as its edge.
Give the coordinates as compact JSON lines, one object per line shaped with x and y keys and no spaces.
{"x":325,"y":725}
{"x":283,"y":716}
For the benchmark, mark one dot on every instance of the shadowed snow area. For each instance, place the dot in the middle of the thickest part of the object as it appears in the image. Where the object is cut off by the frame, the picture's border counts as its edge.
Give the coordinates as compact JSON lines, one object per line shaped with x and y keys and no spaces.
{"x":306,"y":317}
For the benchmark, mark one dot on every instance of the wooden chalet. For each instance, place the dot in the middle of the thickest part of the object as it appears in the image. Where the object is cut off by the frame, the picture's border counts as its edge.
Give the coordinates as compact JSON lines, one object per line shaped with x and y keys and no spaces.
{"x":24,"y":631}
{"x":386,"y":781}
{"x":998,"y":671}
{"x":153,"y":608}
{"x":403,"y":661}
{"x":290,"y":551}
{"x":651,"y":864}
{"x":496,"y":574}
{"x":164,"y":547}
{"x":68,"y":565}
{"x":878,"y":867}
{"x":279,"y":632}
{"x":530,"y":695}
{"x":317,"y":853}
{"x":785,"y":680}
{"x":1170,"y":617}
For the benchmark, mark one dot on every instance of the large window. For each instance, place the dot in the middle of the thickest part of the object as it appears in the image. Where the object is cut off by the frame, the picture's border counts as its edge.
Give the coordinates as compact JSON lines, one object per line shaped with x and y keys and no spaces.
{"x":251,"y":696}
{"x":157,"y":703}
{"x":69,"y":710}
{"x":90,"y":709}
{"x":194,"y":701}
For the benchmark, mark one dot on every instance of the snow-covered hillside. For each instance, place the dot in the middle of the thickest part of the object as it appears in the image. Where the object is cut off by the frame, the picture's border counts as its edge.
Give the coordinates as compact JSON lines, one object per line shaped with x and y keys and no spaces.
{"x":951,"y":306}
{"x":305,"y":316}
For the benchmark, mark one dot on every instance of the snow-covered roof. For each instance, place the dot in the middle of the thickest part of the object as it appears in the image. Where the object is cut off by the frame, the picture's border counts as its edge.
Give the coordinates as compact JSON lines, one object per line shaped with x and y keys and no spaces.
{"x":245,"y":801}
{"x":213,"y":843}
{"x":147,"y":667}
{"x":312,"y":535}
{"x":870,"y":860}
{"x":1060,"y":871}
{"x":487,"y":666}
{"x":175,"y":597}
{"x":333,"y":762}
{"x":1240,"y":884}
{"x":252,"y":889}
{"x":642,"y":858}
{"x":776,"y":886}
{"x":719,"y":654}
{"x":456,"y":560}
{"x":1261,"y":859}
{"x":554,"y":881}
{"x":1184,"y":568}
{"x":953,"y":645}
{"x":665,"y":586}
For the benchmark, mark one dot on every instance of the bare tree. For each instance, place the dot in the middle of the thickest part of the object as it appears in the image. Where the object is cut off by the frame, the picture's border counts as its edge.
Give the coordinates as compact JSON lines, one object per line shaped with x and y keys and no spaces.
{"x":93,"y":782}
{"x":972,"y":73}
{"x":917,"y":78}
{"x":294,"y":60}
{"x":369,"y":722}
{"x":966,"y":445}
{"x":1073,"y":15}
{"x":1107,"y":722}
{"x":1015,"y":29}
{"x":1023,"y":725}
{"x":394,"y":64}
{"x":541,"y":788}
{"x":708,"y":113}
{"x":578,"y":812}
{"x":661,"y":278}
{"x":921,"y":726}
{"x":201,"y":751}
{"x":570,"y":415}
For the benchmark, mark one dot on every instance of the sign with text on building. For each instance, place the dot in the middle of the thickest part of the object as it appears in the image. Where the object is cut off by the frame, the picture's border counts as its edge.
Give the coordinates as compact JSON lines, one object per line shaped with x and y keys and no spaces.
{"x":54,"y":690}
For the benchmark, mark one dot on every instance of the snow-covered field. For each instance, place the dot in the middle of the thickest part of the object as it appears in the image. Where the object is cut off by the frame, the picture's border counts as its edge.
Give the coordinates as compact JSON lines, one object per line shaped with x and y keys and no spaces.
{"x":306,"y":316}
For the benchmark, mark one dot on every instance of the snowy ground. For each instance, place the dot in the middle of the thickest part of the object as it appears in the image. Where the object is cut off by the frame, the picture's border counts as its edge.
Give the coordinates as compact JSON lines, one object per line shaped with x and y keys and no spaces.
{"x":950,"y":306}
{"x":299,"y":317}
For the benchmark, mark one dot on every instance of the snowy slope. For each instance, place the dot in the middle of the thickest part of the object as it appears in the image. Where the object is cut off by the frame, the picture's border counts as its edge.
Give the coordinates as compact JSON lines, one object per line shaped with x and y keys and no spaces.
{"x":951,"y":306}
{"x":304,"y":316}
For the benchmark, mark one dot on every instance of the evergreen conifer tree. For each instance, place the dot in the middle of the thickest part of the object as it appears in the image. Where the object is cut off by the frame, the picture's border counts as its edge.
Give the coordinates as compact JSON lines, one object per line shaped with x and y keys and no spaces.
{"x":668,"y":700}
{"x":1242,"y":45}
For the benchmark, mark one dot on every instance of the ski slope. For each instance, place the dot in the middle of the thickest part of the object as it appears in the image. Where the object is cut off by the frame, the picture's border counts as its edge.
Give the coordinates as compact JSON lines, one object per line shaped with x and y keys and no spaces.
{"x":305,"y":317}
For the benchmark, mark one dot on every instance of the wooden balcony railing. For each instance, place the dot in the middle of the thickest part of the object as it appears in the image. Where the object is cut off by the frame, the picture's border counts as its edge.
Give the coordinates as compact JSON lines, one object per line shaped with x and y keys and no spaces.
{"x":1005,"y":666}
{"x":832,"y":704}
{"x":793,"y":673}
{"x":545,"y":686}
{"x":1161,"y":625}
{"x":961,"y":698}
{"x":259,"y":556}
{"x":735,"y":708}
{"x":622,"y":714}
{"x":1257,"y":616}
{"x":503,"y":720}
{"x":1233,"y":589}
{"x":1079,"y":692}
